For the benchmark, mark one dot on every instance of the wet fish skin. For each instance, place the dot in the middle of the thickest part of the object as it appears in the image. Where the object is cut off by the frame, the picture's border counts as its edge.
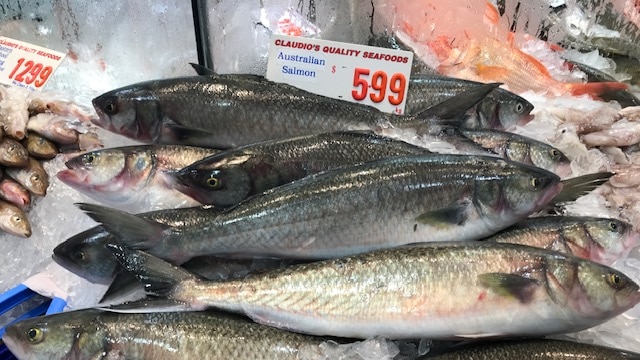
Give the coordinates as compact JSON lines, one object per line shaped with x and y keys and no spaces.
{"x":338,"y":213}
{"x":39,"y":147}
{"x":33,"y":177}
{"x":14,"y":193}
{"x":118,"y":175}
{"x":227,"y":178}
{"x":601,"y":240}
{"x":12,"y":153}
{"x":53,"y":127}
{"x":536,"y":349}
{"x":13,"y":220}
{"x":236,"y":110}
{"x":94,"y":334}
{"x":429,"y":290}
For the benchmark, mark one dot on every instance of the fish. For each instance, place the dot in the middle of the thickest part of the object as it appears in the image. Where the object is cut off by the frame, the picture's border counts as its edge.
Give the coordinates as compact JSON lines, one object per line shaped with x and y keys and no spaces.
{"x":602,"y":240}
{"x":532,"y":349}
{"x":429,"y":290}
{"x":512,"y":147}
{"x":53,"y":127}
{"x":13,"y":220}
{"x":225,"y":111}
{"x":94,"y":334}
{"x":123,"y":174}
{"x":12,"y":153}
{"x":13,"y":113}
{"x":39,"y":147}
{"x":39,"y":105}
{"x":227,"y":178}
{"x":500,"y":110}
{"x":33,"y":177}
{"x":14,"y":193}
{"x":374,"y":205}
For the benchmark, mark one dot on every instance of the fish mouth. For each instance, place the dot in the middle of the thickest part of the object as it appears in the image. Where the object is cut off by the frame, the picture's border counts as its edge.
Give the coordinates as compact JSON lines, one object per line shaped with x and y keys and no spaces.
{"x":524,"y":120}
{"x":72,"y":177}
{"x":563,"y":170}
{"x":16,"y":347}
{"x":631,"y":240}
{"x":102,"y":119}
{"x":549,"y":195}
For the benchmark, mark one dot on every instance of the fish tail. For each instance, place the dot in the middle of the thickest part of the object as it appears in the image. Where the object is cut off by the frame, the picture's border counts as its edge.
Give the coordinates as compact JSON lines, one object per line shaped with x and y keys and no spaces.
{"x":578,"y":186}
{"x":130,"y":229}
{"x":594,"y":89}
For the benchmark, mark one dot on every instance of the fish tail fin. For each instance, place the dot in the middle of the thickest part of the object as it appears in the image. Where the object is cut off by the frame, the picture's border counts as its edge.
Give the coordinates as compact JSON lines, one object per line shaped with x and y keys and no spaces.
{"x":125,"y":283}
{"x":453,"y":110}
{"x":594,"y":89}
{"x":131,"y":230}
{"x":578,"y":186}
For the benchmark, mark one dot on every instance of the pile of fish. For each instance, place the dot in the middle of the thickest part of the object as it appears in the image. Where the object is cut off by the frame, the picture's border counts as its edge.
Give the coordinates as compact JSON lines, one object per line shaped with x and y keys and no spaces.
{"x":34,"y":128}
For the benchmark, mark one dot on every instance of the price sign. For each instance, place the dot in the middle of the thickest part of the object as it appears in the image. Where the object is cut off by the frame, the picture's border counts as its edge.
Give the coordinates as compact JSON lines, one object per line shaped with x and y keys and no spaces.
{"x":362,"y":74}
{"x":26,"y":65}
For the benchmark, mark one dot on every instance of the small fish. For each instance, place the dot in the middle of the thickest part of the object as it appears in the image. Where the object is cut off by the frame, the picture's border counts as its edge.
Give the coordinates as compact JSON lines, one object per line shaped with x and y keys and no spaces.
{"x":14,"y":193}
{"x":12,"y":153}
{"x":224,"y":111}
{"x":39,"y":147}
{"x":535,"y":349}
{"x":33,"y":177}
{"x":229,"y":177}
{"x":339,"y":212}
{"x":53,"y":127}
{"x":624,"y":97}
{"x":13,"y":220}
{"x":123,"y":174}
{"x":13,"y":113}
{"x":597,"y":239}
{"x":94,"y":334}
{"x":621,"y":133}
{"x":429,"y":290}
{"x":58,"y":107}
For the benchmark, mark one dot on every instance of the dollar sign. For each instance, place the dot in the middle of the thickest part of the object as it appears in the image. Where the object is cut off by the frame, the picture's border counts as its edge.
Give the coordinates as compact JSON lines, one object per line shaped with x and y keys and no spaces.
{"x":333,"y":69}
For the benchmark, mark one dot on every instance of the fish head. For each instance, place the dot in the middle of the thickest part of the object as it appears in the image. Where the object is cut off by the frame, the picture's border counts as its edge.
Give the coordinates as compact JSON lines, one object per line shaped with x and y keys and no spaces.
{"x":593,"y":290}
{"x":37,"y":178}
{"x":13,"y":153}
{"x":504,"y":111}
{"x":547,"y":157}
{"x":69,"y":335}
{"x":130,"y":111}
{"x":513,"y":193}
{"x":15,"y":193}
{"x":40,"y":146}
{"x":14,"y":221}
{"x":610,"y":240}
{"x":85,"y":255}
{"x":223,"y":186}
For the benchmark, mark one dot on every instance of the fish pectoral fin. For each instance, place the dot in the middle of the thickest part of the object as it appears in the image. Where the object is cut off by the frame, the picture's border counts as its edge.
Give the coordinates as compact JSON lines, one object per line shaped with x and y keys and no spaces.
{"x":455,"y":215}
{"x":173,"y":133}
{"x":130,"y":229}
{"x":158,"y":276}
{"x":520,"y":287}
{"x":456,"y":107}
{"x":144,"y":306}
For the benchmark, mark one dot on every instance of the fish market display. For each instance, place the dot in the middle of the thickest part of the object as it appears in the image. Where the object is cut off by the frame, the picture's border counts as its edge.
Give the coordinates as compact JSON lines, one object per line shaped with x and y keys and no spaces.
{"x":215,"y":111}
{"x":39,"y":147}
{"x":231,"y":176}
{"x":33,"y":177}
{"x":13,"y":220}
{"x":120,"y":175}
{"x":12,"y":153}
{"x":375,"y":205}
{"x":435,"y":290}
{"x":538,"y":349}
{"x":598,"y":239}
{"x":94,"y":334}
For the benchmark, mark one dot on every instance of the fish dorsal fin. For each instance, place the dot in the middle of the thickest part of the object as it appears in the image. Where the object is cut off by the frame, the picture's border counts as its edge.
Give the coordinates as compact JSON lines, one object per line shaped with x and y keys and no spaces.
{"x":202,"y":70}
{"x":517,"y":286}
{"x":456,"y":107}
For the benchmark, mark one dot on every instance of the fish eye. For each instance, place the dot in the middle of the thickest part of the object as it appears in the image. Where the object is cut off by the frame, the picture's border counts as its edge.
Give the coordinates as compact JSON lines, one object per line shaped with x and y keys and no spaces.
{"x":213,"y":182}
{"x":519,"y":108}
{"x":79,"y":255}
{"x":34,"y":335}
{"x":110,"y":107}
{"x":89,"y":158}
{"x":12,"y":149}
{"x":615,"y":281}
{"x":613,"y":226}
{"x":535,"y":182}
{"x":555,"y":154}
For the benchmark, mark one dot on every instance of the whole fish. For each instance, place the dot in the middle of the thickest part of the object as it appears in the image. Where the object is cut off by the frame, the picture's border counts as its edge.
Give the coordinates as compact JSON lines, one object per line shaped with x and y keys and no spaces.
{"x":225,"y":111}
{"x":430,"y":290}
{"x":12,"y":153}
{"x":13,"y":112}
{"x":94,"y":334}
{"x":374,"y":205}
{"x":598,"y":239}
{"x":13,"y":220}
{"x":536,"y":349}
{"x":40,"y":147}
{"x":53,"y":127}
{"x":231,"y":176}
{"x":500,"y":110}
{"x":14,"y":193}
{"x":123,"y":174}
{"x":33,"y":177}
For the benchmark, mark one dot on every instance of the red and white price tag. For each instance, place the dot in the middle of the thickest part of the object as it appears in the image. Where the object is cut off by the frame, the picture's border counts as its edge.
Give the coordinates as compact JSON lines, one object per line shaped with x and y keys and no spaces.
{"x":362,"y":74}
{"x":26,"y":65}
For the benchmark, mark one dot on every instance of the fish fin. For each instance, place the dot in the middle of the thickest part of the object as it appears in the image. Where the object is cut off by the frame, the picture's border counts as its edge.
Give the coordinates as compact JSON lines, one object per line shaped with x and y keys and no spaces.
{"x":179,"y":134}
{"x":456,"y":107}
{"x":443,"y":217}
{"x":158,"y":276}
{"x":130,"y":229}
{"x":123,"y":284}
{"x":578,"y":186}
{"x":151,"y":305}
{"x":594,"y":89}
{"x":491,"y":72}
{"x":491,"y":13}
{"x":202,"y":70}
{"x":514,"y":285}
